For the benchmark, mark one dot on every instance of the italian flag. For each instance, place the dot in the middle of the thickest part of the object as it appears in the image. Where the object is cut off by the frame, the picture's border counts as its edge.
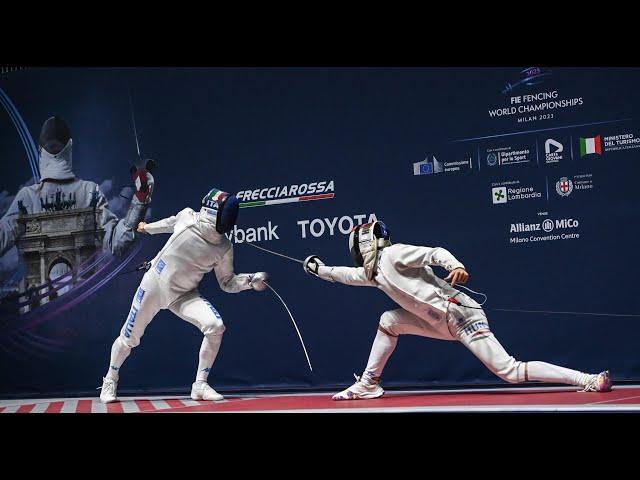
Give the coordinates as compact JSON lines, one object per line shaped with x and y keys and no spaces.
{"x":590,"y":145}
{"x":304,"y":198}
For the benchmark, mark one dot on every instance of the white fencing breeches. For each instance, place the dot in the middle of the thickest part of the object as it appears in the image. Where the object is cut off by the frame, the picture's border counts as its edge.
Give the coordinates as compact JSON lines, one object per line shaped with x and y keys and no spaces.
{"x":149,"y":299}
{"x":477,"y":337}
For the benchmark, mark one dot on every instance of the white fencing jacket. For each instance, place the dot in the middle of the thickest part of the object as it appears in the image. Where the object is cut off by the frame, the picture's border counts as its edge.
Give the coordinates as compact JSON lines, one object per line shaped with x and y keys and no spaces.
{"x":194,"y":249}
{"x":118,"y":236}
{"x":404,"y":274}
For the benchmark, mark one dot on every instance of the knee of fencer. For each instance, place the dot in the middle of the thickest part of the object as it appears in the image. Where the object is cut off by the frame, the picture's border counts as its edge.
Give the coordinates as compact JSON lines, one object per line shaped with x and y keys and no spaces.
{"x":510,"y":372}
{"x":131,"y":341}
{"x":213,"y":329}
{"x":388,"y":323}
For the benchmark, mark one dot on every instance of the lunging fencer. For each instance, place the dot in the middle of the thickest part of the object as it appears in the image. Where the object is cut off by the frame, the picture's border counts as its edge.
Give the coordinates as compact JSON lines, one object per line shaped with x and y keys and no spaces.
{"x":197,"y":246}
{"x":430,"y":307}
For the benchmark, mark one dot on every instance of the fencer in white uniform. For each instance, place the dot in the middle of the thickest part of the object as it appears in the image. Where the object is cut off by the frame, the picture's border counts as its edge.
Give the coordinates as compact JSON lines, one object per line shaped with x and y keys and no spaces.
{"x":197,"y":246}
{"x":61,"y":189}
{"x":430,"y":307}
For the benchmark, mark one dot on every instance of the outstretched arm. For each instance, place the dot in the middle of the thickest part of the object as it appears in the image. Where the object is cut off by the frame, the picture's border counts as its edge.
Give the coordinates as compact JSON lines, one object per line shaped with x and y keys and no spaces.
{"x":347,"y":275}
{"x":120,"y":234}
{"x":166,"y":225}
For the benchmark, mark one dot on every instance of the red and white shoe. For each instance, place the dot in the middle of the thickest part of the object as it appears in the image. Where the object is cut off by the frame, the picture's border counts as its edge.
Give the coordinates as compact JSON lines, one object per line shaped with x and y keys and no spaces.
{"x":599,"y":383}
{"x":360,"y":391}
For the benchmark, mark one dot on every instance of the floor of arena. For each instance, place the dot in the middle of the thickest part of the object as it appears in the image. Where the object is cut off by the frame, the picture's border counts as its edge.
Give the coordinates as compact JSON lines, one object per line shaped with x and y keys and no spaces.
{"x":551,"y":399}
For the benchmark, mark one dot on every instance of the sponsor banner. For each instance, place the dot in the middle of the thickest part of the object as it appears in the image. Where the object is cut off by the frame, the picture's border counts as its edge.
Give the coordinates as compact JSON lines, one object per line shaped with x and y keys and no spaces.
{"x":557,"y":148}
{"x":443,"y":164}
{"x":318,"y":227}
{"x":511,"y":191}
{"x":303,"y":192}
{"x":547,"y":230}
{"x":596,"y":144}
{"x":516,"y":152}
{"x":308,"y":228}
{"x":569,"y":186}
{"x":624,"y":141}
{"x":254,"y":234}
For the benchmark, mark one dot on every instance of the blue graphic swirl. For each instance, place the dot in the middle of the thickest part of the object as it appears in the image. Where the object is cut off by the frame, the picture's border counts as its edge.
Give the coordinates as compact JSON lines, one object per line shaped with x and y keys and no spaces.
{"x":23,"y":132}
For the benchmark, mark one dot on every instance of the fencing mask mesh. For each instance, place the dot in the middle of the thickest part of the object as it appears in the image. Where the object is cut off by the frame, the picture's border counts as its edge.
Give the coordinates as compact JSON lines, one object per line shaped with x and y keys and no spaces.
{"x":364,"y":243}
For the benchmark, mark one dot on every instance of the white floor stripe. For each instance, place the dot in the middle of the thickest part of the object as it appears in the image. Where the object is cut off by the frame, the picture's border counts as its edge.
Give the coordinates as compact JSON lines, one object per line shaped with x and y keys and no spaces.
{"x":190,"y":403}
{"x":11,"y":409}
{"x":130,"y":407}
{"x":40,"y":407}
{"x":69,"y":406}
{"x":98,"y":407}
{"x":160,"y":404}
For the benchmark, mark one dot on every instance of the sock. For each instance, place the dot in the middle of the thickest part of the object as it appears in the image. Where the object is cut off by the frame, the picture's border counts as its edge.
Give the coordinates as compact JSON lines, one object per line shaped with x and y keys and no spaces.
{"x":208,"y":352}
{"x":546,"y":372}
{"x":119,"y":353}
{"x":382,"y":348}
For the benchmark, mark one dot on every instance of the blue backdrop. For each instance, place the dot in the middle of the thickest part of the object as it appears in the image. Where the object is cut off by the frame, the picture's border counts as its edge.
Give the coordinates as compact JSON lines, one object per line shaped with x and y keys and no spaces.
{"x":491,"y":163}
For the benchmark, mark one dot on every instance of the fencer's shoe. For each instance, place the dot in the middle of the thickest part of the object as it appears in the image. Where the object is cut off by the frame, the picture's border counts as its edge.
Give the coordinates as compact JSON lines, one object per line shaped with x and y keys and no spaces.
{"x":108,"y":390}
{"x":599,"y":383}
{"x":202,"y":391}
{"x":360,"y":390}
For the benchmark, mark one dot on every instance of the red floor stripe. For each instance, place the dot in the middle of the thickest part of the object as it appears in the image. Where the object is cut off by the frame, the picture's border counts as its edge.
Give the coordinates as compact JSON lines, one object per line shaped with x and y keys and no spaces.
{"x":2,"y":409}
{"x":145,"y":405}
{"x":174,"y":403}
{"x":84,"y":406}
{"x":115,"y":407}
{"x":632,"y":400}
{"x":54,"y":407}
{"x":522,"y":398}
{"x":26,"y":408}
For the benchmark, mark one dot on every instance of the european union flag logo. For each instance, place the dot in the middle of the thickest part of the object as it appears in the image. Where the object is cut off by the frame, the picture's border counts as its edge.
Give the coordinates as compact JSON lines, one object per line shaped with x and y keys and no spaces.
{"x":426,"y":168}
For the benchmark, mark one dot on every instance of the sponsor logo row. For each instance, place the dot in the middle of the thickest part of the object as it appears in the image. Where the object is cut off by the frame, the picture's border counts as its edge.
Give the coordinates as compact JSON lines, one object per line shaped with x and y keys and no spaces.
{"x":311,"y":228}
{"x":563,"y":187}
{"x":550,"y":150}
{"x":519,"y":233}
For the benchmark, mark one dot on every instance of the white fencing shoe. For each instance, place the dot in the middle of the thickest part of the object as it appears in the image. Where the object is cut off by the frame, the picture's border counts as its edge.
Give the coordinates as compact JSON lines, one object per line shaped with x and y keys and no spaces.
{"x":202,"y":391}
{"x":599,"y":383}
{"x":360,"y":390}
{"x":108,"y":393}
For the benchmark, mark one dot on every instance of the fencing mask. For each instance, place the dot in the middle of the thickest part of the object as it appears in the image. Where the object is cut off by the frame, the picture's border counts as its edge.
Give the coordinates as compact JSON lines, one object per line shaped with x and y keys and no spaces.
{"x":55,"y":150}
{"x":54,"y":135}
{"x":364,"y":243}
{"x":221,"y":209}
